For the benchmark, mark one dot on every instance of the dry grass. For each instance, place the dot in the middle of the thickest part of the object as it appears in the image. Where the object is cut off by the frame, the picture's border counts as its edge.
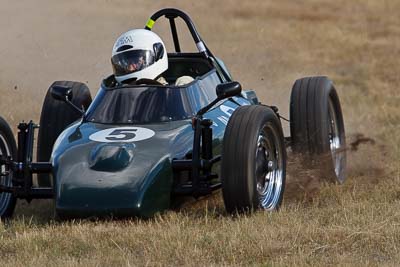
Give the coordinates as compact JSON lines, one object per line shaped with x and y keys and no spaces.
{"x":267,"y":44}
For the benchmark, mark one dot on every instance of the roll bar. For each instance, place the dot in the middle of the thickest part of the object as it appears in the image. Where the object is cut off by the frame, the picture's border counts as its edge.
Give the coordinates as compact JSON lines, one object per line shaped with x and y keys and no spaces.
{"x":171,"y":14}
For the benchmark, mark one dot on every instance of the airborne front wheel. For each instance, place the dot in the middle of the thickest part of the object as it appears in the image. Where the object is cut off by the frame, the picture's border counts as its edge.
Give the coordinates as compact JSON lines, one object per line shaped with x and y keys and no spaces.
{"x":317,"y":127}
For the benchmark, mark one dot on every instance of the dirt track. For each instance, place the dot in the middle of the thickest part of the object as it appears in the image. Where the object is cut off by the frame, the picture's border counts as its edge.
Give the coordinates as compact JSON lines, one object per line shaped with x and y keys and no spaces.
{"x":266,"y":45}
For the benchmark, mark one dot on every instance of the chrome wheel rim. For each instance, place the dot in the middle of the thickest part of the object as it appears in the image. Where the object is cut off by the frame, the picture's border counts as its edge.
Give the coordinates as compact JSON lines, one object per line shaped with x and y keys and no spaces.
{"x":336,"y":141}
{"x":5,"y":180}
{"x":269,"y":168}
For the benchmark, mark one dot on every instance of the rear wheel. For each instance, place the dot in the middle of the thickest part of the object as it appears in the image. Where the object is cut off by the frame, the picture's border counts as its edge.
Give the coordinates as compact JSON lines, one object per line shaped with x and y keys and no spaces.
{"x":317,"y":127}
{"x":253,"y":168}
{"x":55,"y":117}
{"x":8,"y":148}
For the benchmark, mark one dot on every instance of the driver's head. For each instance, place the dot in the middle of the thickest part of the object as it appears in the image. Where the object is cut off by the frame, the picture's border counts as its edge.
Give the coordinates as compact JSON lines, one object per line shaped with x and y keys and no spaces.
{"x":138,"y":54}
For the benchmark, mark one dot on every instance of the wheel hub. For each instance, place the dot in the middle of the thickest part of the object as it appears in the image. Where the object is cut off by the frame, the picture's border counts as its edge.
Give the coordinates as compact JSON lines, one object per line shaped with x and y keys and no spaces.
{"x":268,"y":167}
{"x":335,"y":140}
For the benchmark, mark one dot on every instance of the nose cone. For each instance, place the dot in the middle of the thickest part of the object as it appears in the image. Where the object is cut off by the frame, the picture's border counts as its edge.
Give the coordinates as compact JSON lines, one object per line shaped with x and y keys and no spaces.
{"x":118,"y":179}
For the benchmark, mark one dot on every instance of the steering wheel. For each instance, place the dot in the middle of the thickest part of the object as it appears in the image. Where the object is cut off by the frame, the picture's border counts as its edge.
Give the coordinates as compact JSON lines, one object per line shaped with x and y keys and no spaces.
{"x":145,"y":81}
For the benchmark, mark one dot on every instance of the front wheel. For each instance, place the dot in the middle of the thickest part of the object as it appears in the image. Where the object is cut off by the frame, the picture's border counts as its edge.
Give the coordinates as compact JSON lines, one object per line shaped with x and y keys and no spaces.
{"x":317,"y":127}
{"x":8,"y":148}
{"x":253,"y":168}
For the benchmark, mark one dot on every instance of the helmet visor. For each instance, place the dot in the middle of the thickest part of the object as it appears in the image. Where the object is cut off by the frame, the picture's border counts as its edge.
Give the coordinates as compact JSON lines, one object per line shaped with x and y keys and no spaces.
{"x":132,"y":61}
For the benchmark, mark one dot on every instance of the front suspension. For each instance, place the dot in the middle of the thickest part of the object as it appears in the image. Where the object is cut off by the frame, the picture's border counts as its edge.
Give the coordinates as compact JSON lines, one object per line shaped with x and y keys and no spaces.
{"x":23,"y":168}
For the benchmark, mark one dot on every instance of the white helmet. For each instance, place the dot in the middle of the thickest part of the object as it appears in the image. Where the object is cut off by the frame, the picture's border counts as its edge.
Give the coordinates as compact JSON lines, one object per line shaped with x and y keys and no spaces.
{"x":138,"y":54}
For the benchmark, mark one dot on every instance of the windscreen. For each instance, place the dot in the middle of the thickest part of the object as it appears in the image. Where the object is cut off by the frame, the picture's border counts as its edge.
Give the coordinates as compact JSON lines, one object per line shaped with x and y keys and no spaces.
{"x":139,"y":105}
{"x":148,"y":104}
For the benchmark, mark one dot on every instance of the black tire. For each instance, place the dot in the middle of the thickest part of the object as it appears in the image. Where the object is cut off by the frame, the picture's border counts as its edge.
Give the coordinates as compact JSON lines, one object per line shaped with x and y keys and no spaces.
{"x":55,"y":117}
{"x":317,"y":127}
{"x":251,"y":132}
{"x":7,"y":148}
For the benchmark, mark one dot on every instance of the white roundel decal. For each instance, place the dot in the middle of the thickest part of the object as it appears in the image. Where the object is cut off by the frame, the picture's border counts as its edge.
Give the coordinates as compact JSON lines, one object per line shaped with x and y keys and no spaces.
{"x":122,"y":134}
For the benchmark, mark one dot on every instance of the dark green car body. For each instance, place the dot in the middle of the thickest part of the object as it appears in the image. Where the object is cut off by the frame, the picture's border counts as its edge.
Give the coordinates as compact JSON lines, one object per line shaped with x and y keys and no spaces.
{"x":98,"y":174}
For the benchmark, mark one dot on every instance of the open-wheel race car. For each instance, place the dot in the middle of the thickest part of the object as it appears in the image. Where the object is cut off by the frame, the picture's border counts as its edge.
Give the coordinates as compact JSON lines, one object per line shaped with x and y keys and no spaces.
{"x":134,"y":150}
